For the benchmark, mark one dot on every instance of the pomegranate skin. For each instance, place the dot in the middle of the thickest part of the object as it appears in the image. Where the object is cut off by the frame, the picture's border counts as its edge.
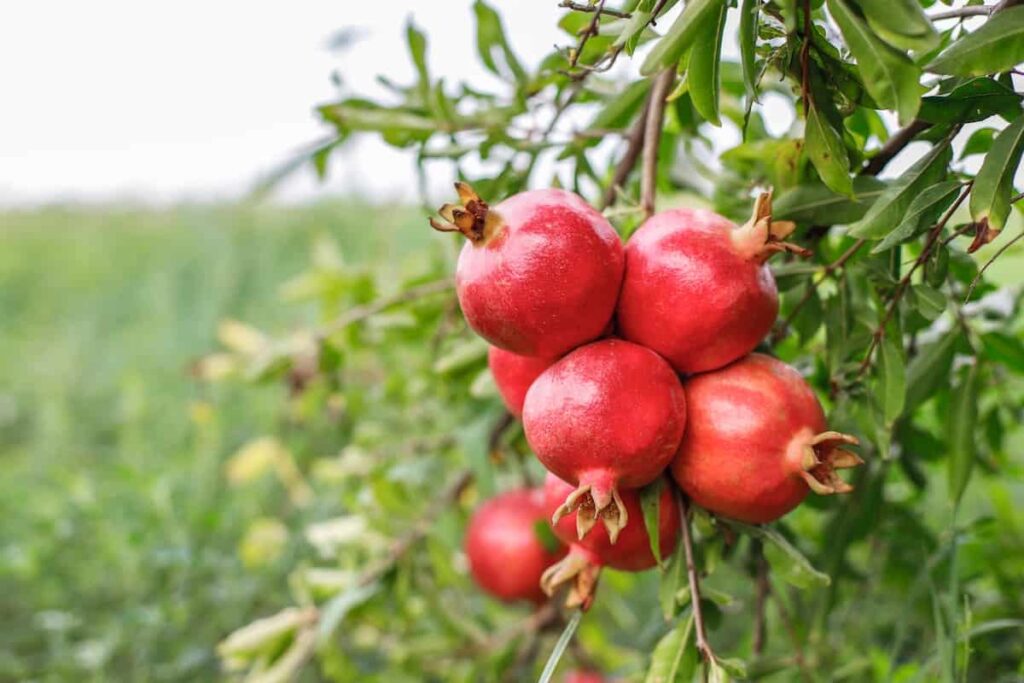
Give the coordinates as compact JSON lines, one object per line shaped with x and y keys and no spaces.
{"x":514,"y":374}
{"x":691,"y":294}
{"x":632,"y":551}
{"x":546,"y":280}
{"x":609,"y":415}
{"x":756,"y":442}
{"x":506,"y":558}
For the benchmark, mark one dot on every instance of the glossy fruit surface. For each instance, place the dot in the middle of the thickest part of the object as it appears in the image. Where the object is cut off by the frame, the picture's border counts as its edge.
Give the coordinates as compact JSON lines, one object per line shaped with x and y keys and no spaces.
{"x":756,"y":442}
{"x":506,"y":555}
{"x":697,"y":289}
{"x":631,"y":551}
{"x":514,"y":374}
{"x":540,"y":272}
{"x":609,"y":415}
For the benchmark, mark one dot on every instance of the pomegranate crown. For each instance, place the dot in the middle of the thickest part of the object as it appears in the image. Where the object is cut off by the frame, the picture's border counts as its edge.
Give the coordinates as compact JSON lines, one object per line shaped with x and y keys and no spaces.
{"x":472,"y":217}
{"x":760,"y":237}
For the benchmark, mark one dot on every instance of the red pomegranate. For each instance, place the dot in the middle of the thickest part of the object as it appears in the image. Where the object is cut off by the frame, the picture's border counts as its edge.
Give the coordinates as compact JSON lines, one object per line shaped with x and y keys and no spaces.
{"x":697,"y":289}
{"x":506,"y":556}
{"x":631,"y":552}
{"x":514,"y":374}
{"x":756,"y":442}
{"x":607,"y":416}
{"x":540,"y":272}
{"x":583,"y":676}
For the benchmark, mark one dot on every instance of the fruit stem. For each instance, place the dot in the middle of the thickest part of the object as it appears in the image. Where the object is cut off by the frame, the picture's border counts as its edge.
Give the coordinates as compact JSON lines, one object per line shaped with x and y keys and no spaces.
{"x":701,"y":635}
{"x":472,"y":217}
{"x":822,"y":455}
{"x":760,"y":237}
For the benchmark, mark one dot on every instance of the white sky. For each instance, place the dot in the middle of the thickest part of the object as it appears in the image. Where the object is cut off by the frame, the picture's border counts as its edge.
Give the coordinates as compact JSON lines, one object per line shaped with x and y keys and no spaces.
{"x":125,"y":99}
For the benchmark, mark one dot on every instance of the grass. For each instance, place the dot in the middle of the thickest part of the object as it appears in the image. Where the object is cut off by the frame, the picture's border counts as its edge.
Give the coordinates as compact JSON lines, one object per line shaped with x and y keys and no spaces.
{"x":118,"y":548}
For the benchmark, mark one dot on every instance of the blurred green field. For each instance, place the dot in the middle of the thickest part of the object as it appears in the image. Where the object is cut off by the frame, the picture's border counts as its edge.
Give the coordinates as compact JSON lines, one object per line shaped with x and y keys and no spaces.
{"x":118,"y":549}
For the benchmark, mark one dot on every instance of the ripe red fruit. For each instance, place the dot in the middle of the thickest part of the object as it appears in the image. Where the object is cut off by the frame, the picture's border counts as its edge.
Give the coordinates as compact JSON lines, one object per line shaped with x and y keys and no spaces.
{"x":506,"y":556}
{"x":540,"y":273}
{"x":697,"y":289}
{"x":756,"y":442}
{"x":631,"y":552}
{"x":514,"y":374}
{"x":583,"y":676}
{"x":607,"y":416}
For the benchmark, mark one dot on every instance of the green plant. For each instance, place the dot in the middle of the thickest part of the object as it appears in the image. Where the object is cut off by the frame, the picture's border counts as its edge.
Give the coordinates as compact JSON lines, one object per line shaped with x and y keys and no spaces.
{"x":904,"y":320}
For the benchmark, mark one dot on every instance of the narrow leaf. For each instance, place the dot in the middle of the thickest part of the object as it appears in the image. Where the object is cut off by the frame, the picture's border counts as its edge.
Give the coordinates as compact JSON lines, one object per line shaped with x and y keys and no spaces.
{"x":491,"y":43}
{"x":961,"y":424}
{"x":672,"y":579}
{"x":703,"y":71}
{"x":922,"y":213}
{"x":669,"y":659}
{"x":680,"y":36}
{"x":749,"y":17}
{"x":784,"y":558}
{"x":650,"y":503}
{"x":993,"y":186}
{"x":930,"y":302}
{"x":824,"y":145}
{"x":892,"y":382}
{"x":929,"y":370}
{"x":813,"y":202}
{"x":997,"y":46}
{"x":889,"y":75}
{"x":901,"y":23}
{"x":334,"y":612}
{"x":1005,"y":349}
{"x":889,"y":209}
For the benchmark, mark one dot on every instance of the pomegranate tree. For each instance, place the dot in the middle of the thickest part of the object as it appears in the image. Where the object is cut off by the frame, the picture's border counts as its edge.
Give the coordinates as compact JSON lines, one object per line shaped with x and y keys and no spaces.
{"x":757,"y":442}
{"x":607,"y":416}
{"x":540,"y":272}
{"x":697,"y":289}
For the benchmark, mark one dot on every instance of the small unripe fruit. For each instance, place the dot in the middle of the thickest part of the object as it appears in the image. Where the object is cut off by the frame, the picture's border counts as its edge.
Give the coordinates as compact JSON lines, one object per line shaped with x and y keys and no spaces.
{"x":607,"y":416}
{"x":631,"y":552}
{"x":514,"y":374}
{"x":697,"y":289}
{"x":756,"y":442}
{"x":506,"y":556}
{"x":540,"y":272}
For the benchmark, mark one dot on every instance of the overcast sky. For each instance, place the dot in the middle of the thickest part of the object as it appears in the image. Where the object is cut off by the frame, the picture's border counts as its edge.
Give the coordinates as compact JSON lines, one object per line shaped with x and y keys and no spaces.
{"x":122,"y":99}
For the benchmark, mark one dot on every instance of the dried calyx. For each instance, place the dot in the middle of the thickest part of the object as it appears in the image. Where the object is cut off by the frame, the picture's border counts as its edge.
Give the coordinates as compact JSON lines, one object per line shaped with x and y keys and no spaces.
{"x":760,"y":237}
{"x":472,"y":216}
{"x":822,"y":456}
{"x":579,"y":570}
{"x":592,"y":502}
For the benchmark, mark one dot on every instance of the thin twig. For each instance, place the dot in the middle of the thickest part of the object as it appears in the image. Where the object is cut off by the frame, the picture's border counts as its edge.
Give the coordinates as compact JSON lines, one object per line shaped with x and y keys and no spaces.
{"x":628,"y":161}
{"x":359,"y":313}
{"x":963,"y":12}
{"x":652,"y":138}
{"x":546,"y":615}
{"x":981,"y":271}
{"x":904,"y":283}
{"x":577,"y":7}
{"x":805,"y":59}
{"x":591,"y":29}
{"x":701,"y":636}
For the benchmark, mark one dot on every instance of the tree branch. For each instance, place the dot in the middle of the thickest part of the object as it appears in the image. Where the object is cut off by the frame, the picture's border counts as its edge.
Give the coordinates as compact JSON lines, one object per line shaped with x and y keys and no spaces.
{"x":701,"y":636}
{"x":893,"y":146}
{"x":577,"y":7}
{"x":652,"y":138}
{"x":962,"y":12}
{"x":629,"y":159}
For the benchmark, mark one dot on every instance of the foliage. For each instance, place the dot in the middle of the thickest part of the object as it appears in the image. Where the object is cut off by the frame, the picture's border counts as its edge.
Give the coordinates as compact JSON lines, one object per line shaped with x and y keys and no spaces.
{"x":913,"y":341}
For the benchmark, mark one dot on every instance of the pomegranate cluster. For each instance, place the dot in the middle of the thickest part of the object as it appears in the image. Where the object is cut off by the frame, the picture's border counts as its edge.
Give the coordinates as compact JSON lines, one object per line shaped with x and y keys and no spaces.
{"x":625,"y":364}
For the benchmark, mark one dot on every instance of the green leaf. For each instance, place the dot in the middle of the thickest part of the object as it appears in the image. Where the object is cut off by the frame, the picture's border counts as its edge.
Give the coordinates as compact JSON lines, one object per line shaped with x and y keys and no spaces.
{"x":723,"y":670}
{"x":784,"y":558}
{"x":930,"y":302}
{"x":417,"y":43}
{"x":620,"y":110}
{"x":973,"y":100}
{"x":670,"y":661}
{"x":993,"y":186}
{"x":929,"y":370}
{"x":1002,"y":348}
{"x":680,"y":36}
{"x":889,"y":209}
{"x":824,"y":145}
{"x":338,"y":607}
{"x":749,"y":19}
{"x":703,"y":71}
{"x":814,"y":203}
{"x":901,"y":23}
{"x":889,"y":76}
{"x":922,"y":213}
{"x":892,"y":382}
{"x":650,"y":503}
{"x":560,"y":646}
{"x":491,"y":43}
{"x":980,"y":142}
{"x":673,"y":578}
{"x":960,"y":427}
{"x":997,"y":46}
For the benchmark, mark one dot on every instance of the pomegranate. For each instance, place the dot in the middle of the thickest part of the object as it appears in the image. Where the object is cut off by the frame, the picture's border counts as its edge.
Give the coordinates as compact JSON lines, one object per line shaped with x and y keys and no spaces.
{"x":632,"y":551}
{"x":756,"y":442}
{"x":583,"y":676}
{"x":514,"y":374}
{"x":540,"y":272}
{"x":506,"y":556}
{"x":697,"y":289}
{"x":608,"y":415}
